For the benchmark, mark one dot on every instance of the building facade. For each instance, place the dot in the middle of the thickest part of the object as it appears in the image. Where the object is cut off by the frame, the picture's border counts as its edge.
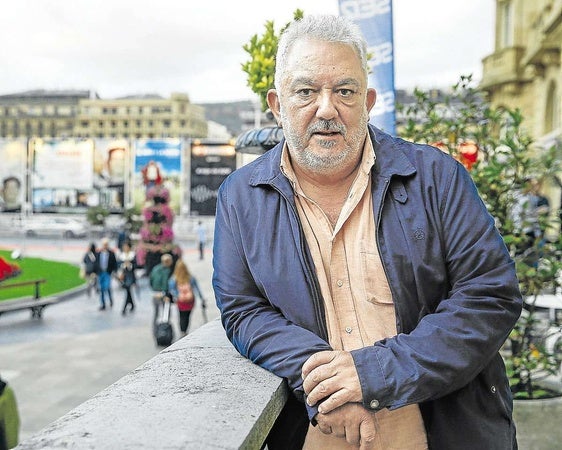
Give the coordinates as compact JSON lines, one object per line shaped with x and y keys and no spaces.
{"x":40,"y":113}
{"x":524,"y":71}
{"x":140,"y":117}
{"x":82,"y":114}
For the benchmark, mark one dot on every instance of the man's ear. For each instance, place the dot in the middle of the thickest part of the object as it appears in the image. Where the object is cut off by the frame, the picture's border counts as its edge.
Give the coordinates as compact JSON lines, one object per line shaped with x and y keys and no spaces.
{"x":274,"y":106}
{"x":370,"y":99}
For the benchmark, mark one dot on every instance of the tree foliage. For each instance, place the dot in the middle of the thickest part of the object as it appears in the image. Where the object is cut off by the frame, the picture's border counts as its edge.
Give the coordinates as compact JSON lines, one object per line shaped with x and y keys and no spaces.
{"x":260,"y":67}
{"x":506,"y":156}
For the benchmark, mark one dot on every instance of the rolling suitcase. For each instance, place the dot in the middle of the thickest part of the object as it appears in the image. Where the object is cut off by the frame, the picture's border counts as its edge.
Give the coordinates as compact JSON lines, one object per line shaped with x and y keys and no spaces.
{"x":163,"y":333}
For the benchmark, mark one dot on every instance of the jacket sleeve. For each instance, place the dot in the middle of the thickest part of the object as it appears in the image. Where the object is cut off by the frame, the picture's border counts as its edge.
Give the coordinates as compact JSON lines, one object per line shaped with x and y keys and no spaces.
{"x":257,"y":329}
{"x":453,"y":343}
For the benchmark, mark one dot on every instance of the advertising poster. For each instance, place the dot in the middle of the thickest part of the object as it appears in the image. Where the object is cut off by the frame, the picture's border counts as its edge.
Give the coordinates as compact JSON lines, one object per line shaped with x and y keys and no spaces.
{"x":158,"y":161}
{"x":13,"y":155}
{"x":210,"y":165}
{"x":62,"y":175}
{"x":111,"y":168}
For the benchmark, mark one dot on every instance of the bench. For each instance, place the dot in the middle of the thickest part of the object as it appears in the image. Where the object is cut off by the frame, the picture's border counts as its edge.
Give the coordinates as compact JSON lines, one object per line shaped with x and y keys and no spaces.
{"x":35,"y":303}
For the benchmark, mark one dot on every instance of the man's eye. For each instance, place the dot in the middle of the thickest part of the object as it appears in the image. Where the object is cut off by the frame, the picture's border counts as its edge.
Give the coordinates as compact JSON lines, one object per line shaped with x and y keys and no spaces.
{"x":346,"y":92}
{"x":305,"y":92}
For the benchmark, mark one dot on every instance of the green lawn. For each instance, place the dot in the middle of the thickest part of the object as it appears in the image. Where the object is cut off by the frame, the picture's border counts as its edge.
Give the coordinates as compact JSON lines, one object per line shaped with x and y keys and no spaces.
{"x":60,"y":276}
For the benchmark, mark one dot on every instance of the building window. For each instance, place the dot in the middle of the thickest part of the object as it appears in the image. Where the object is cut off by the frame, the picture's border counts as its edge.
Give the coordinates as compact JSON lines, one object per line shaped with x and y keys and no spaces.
{"x":506,"y":24}
{"x":84,"y":124}
{"x":166,"y":123}
{"x":126,"y":123}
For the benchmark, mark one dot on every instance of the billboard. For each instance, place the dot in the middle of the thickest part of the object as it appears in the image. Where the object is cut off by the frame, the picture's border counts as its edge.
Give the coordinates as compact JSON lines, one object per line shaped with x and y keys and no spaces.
{"x":112,"y":161}
{"x":158,"y":161}
{"x":211,"y":163}
{"x":13,"y":157}
{"x":62,"y":175}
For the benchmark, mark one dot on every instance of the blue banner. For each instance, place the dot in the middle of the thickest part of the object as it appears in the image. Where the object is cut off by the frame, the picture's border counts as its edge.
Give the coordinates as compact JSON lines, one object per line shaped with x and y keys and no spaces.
{"x":374,"y":18}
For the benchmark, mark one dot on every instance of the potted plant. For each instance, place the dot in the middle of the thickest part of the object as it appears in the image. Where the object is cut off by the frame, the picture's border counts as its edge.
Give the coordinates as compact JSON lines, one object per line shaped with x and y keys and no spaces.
{"x":500,"y":155}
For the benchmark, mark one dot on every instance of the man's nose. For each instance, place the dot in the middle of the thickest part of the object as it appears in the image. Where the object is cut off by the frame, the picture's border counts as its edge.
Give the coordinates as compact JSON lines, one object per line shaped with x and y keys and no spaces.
{"x":326,"y":107}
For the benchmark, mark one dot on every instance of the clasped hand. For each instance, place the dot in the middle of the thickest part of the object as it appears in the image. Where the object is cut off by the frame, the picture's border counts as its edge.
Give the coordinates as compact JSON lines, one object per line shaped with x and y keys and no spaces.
{"x":331,"y":377}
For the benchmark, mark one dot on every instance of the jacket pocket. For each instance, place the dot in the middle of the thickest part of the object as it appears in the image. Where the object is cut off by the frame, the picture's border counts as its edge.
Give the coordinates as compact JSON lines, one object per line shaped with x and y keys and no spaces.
{"x":376,"y":286}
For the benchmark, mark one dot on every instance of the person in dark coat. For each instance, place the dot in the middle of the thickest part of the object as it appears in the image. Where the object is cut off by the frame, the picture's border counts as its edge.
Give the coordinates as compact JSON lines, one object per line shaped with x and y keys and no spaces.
{"x":106,"y":265}
{"x":363,"y":269}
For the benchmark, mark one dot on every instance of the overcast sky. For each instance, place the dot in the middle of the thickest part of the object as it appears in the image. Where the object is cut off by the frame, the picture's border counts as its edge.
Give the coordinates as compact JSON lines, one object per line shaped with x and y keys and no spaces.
{"x":125,"y":47}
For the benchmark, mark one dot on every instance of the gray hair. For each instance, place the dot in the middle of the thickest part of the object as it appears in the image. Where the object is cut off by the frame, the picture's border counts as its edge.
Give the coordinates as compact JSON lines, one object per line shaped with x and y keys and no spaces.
{"x":324,"y":28}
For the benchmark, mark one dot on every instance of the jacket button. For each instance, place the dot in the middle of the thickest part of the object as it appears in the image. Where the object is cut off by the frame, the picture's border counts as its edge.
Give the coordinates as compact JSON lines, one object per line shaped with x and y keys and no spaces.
{"x":339,"y":283}
{"x":493,"y":389}
{"x":374,"y":404}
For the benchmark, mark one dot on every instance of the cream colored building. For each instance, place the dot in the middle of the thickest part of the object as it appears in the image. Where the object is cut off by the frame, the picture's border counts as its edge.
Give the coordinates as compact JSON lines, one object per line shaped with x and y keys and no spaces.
{"x":140,"y":117}
{"x":82,"y":114}
{"x":40,"y":113}
{"x":524,"y":71}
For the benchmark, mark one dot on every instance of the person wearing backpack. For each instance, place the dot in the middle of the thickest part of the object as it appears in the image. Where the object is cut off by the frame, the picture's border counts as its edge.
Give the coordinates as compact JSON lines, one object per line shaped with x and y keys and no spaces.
{"x":184,"y":287}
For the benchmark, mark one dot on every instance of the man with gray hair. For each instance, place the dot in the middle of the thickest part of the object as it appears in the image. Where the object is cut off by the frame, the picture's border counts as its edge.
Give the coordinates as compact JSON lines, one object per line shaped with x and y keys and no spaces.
{"x":364,"y":269}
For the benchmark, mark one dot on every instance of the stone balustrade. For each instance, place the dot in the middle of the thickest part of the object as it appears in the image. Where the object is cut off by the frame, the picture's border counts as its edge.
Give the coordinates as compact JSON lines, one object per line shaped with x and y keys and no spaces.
{"x":198,"y":393}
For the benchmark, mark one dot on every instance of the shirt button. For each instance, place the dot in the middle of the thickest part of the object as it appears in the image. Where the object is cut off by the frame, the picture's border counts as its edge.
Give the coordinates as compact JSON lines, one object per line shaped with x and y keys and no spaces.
{"x":493,"y":389}
{"x":348,"y":330}
{"x":374,"y":404}
{"x":339,"y":283}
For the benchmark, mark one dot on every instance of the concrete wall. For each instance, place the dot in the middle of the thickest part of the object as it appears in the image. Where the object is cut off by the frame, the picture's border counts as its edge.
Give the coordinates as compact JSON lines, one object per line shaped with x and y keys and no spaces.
{"x":198,"y":393}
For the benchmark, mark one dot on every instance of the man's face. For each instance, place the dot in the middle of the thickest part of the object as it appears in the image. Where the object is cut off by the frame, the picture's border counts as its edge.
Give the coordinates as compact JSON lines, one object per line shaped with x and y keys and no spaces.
{"x":116,"y":163}
{"x":11,"y":191}
{"x":323,"y":105}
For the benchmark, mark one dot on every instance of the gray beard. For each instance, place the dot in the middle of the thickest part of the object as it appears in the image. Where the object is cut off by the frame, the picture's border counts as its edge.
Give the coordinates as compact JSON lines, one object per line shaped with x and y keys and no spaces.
{"x":323,"y":163}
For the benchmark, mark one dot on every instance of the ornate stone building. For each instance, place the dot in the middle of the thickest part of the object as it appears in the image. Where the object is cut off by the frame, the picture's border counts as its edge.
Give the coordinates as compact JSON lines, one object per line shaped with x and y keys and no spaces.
{"x":141,"y":117}
{"x":83,"y":114}
{"x":40,"y":113}
{"x":524,"y":71}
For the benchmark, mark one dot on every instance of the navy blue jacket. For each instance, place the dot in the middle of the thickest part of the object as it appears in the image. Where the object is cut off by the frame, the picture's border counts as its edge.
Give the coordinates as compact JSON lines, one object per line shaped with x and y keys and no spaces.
{"x":452,"y":280}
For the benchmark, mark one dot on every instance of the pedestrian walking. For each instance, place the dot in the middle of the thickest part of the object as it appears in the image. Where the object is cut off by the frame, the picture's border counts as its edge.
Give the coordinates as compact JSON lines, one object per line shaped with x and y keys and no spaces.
{"x":201,"y":238}
{"x":106,"y":265}
{"x":89,"y":268}
{"x":126,"y":275}
{"x":184,"y":288}
{"x":159,"y":277}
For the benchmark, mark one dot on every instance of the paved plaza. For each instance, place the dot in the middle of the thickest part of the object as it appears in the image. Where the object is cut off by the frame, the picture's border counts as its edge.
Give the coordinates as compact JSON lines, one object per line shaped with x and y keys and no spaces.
{"x":74,"y":351}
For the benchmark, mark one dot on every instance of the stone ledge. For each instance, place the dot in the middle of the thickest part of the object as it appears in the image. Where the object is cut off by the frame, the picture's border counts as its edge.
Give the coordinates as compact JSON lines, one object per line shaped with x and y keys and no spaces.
{"x":197,"y":393}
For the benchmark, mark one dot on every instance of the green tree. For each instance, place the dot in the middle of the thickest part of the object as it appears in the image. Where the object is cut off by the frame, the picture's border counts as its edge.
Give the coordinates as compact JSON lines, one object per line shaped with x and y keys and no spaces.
{"x":260,"y":68}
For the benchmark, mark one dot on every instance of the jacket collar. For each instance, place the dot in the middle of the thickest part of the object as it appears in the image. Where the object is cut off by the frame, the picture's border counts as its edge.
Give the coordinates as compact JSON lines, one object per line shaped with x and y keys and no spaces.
{"x":390,"y":160}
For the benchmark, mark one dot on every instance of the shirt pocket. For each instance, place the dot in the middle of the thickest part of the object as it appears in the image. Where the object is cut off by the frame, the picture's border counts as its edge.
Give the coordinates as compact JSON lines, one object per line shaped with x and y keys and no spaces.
{"x":375,"y":283}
